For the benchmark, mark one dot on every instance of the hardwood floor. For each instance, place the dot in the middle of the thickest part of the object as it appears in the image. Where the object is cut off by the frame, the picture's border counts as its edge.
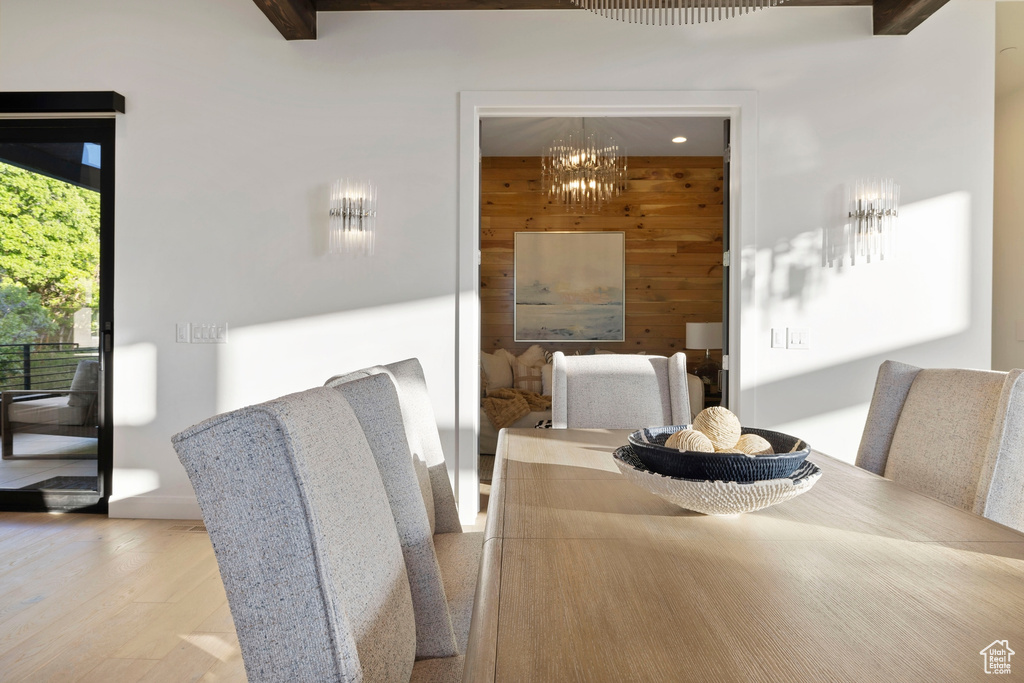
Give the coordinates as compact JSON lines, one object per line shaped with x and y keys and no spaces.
{"x":86,"y":598}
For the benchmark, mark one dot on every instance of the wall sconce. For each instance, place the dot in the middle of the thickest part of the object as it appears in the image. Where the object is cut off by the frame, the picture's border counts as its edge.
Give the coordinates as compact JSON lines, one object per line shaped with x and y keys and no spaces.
{"x":874,"y":207}
{"x":353,"y":217}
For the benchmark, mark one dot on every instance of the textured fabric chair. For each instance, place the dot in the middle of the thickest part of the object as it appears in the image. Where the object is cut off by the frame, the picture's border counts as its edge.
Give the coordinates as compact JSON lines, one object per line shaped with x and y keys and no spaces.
{"x":954,"y":434}
{"x":618,"y":391}
{"x":421,"y":431}
{"x":306,"y":544}
{"x":374,"y":400}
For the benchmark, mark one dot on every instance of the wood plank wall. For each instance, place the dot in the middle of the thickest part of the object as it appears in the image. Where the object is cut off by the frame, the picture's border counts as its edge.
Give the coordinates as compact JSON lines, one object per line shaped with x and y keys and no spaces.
{"x":671,"y":214}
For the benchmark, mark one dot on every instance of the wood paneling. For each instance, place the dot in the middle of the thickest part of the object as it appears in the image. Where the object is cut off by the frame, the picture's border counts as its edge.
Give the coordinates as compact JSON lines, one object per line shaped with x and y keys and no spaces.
{"x":671,"y":214}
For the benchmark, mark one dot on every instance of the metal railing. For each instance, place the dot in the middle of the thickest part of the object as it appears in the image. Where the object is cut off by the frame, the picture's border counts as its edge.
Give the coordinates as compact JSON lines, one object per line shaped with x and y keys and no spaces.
{"x":41,"y":366}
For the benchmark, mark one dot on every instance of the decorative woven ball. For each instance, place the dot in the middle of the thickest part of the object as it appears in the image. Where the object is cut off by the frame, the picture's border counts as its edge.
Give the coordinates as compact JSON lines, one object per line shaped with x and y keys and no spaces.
{"x":752,"y":444}
{"x":690,"y":440}
{"x":720,"y":425}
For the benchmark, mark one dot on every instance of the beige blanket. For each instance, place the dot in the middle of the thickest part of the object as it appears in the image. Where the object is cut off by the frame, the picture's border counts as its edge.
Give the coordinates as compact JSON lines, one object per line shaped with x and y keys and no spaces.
{"x":504,"y":406}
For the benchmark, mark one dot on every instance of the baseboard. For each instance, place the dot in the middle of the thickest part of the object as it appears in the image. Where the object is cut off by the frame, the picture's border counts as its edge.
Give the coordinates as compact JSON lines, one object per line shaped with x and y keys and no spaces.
{"x":155,"y":507}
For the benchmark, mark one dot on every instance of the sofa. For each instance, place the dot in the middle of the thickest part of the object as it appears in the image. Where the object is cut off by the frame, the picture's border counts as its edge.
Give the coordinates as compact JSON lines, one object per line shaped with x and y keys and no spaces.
{"x":531,"y":371}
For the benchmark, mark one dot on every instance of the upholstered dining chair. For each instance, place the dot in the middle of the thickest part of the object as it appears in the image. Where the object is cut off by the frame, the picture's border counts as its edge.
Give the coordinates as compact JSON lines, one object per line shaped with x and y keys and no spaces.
{"x":443,"y":567}
{"x":619,"y":391}
{"x":306,"y":543}
{"x":421,"y":431}
{"x":954,"y":434}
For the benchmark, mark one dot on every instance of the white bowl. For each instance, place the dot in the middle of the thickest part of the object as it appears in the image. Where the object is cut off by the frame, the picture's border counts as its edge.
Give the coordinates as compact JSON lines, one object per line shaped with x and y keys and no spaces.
{"x":716,"y":497}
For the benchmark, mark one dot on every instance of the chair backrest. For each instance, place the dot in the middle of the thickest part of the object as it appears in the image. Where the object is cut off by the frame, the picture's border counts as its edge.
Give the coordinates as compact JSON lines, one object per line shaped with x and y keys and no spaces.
{"x":421,"y":431}
{"x":85,"y":384}
{"x":305,"y":540}
{"x":618,"y":391}
{"x":954,"y":434}
{"x":374,"y":400}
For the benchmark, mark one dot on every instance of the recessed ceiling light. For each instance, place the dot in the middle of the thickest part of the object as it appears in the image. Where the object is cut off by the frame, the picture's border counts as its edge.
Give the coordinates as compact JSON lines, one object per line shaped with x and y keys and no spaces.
{"x":679,"y":139}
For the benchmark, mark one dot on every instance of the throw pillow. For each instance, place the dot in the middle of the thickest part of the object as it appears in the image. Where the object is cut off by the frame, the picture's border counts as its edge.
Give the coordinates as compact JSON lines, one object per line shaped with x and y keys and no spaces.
{"x":533,"y":357}
{"x":497,"y":370}
{"x":545,"y":373}
{"x":87,"y":380}
{"x":527,"y":377}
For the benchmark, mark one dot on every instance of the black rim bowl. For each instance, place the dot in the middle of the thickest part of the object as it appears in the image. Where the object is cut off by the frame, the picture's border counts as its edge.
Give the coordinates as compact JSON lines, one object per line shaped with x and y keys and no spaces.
{"x":649,"y":447}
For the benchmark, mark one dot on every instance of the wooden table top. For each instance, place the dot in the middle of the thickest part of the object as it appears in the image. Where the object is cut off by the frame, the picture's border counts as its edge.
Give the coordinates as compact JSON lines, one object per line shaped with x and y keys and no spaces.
{"x":586,"y":577}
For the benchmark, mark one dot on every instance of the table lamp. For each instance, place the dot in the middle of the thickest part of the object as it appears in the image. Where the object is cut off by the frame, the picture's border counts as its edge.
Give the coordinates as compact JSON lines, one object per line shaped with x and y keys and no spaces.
{"x":705,"y":336}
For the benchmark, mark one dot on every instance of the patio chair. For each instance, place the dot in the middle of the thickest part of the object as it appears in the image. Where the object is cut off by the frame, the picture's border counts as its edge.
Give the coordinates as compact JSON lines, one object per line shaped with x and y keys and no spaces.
{"x":71,"y":412}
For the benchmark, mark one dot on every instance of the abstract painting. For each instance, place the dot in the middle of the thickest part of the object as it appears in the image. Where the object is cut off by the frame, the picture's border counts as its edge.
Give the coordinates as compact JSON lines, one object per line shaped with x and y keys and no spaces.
{"x":569,"y":286}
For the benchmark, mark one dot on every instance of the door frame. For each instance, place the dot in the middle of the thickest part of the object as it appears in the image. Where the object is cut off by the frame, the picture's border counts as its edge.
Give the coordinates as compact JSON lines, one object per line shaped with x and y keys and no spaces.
{"x":96,"y":110}
{"x":739,"y":106}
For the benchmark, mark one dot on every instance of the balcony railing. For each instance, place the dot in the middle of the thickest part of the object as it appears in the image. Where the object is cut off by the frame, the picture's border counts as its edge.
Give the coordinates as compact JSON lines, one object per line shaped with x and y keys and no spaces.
{"x":41,"y":366}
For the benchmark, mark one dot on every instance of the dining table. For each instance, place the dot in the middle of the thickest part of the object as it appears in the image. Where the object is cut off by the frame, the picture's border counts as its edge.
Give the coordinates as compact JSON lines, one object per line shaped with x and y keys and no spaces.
{"x":587,"y":577}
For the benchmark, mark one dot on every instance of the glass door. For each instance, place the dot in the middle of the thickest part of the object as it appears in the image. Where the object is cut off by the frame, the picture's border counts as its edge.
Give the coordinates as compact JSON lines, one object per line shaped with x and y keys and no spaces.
{"x":56,"y":231}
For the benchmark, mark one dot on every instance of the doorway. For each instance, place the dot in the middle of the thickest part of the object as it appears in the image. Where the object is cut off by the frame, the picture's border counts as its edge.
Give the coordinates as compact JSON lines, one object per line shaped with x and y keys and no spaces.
{"x":739,"y":107}
{"x":665,"y":281}
{"x":56,"y":248}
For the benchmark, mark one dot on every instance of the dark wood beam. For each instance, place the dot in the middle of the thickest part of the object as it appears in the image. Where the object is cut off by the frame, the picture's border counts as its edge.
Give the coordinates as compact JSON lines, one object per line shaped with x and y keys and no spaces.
{"x":900,"y":17}
{"x":295,"y":19}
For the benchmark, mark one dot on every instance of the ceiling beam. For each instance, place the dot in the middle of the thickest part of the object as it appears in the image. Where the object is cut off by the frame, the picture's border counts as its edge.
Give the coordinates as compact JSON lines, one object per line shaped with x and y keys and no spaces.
{"x":295,"y":19}
{"x":900,"y":17}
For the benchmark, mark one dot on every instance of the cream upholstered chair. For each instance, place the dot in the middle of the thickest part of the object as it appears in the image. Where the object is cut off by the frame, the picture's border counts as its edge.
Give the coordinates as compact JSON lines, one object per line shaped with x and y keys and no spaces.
{"x":619,"y":391}
{"x":304,"y":539}
{"x":442,"y":567}
{"x":954,"y":434}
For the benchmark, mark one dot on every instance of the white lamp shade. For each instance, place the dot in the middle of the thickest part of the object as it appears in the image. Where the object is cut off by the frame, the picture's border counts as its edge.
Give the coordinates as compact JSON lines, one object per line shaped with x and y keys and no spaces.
{"x":703,"y":335}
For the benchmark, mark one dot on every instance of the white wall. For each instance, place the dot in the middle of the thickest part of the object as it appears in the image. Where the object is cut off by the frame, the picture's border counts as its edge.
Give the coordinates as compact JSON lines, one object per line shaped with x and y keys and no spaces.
{"x":233,"y":135}
{"x":1008,"y":253}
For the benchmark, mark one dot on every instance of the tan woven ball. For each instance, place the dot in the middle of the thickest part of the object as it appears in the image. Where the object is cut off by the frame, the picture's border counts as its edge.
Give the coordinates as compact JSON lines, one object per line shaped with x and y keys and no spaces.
{"x":690,"y":440}
{"x":752,"y":444}
{"x":720,"y":425}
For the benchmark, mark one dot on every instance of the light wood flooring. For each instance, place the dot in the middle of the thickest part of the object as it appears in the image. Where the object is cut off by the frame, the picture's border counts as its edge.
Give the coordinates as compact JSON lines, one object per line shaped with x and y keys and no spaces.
{"x":86,"y":598}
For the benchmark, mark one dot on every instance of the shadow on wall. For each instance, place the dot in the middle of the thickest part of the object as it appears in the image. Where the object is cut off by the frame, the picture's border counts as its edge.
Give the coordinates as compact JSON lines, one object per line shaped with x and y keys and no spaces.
{"x":914,"y":306}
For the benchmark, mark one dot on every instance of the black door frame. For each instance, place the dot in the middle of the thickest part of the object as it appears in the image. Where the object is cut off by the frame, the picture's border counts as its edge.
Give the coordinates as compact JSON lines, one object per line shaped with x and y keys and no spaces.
{"x":76,"y":116}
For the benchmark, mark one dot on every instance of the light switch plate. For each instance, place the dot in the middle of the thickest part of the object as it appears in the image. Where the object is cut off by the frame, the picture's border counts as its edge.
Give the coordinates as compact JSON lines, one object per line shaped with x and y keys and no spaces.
{"x":778,"y":337}
{"x":798,"y":338}
{"x":209,"y":333}
{"x":183,"y":333}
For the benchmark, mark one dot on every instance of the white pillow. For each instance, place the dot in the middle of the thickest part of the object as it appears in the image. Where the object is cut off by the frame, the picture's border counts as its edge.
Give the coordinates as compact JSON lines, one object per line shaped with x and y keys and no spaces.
{"x":533,"y":357}
{"x":497,"y":370}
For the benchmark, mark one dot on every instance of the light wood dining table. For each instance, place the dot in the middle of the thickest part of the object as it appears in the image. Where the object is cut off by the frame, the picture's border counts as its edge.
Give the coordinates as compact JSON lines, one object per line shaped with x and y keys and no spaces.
{"x":586,"y":577}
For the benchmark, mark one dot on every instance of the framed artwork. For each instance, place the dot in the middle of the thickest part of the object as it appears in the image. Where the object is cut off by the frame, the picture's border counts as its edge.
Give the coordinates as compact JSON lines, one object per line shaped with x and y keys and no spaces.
{"x":570,"y":286}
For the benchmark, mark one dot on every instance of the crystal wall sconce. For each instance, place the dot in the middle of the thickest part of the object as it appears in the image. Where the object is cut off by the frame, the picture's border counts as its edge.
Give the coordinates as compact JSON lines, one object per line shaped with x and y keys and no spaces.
{"x":874,"y":208}
{"x":353,"y":217}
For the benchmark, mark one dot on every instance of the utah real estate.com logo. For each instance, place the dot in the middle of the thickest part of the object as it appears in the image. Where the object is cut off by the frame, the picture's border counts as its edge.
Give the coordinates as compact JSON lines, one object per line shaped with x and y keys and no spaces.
{"x":997,"y":657}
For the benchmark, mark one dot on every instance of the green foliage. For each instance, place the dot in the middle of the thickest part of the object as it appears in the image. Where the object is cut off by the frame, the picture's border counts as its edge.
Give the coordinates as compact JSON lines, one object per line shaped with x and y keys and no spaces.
{"x":23,"y":319}
{"x":49,"y":243}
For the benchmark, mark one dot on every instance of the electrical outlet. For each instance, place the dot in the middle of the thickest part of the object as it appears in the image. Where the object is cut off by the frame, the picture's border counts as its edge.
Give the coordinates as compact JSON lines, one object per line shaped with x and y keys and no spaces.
{"x":183,"y":333}
{"x":204,"y":333}
{"x":798,"y":338}
{"x":778,"y":337}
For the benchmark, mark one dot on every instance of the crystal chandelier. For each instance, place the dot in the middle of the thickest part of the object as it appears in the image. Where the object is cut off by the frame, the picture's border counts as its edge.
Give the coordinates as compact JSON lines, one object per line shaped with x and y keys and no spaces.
{"x":664,"y":12}
{"x":582,"y":170}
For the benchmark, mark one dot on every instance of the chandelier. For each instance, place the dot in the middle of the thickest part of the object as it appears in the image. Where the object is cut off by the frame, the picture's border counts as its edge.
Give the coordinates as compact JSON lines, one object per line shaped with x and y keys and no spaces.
{"x":582,"y":170}
{"x":664,"y":12}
